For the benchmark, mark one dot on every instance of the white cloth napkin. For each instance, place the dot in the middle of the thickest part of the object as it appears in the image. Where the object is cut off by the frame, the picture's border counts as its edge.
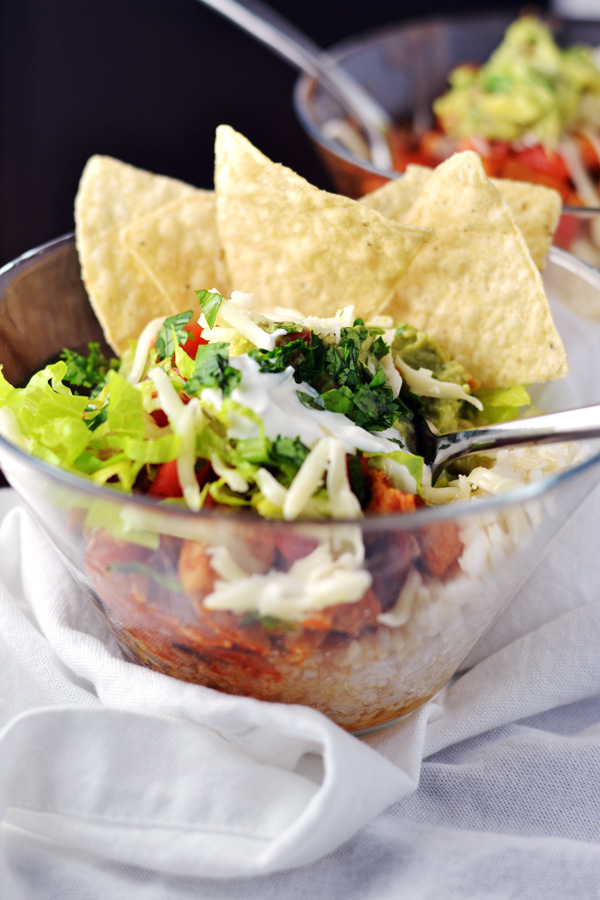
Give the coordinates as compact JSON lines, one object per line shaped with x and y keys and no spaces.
{"x":101,"y":758}
{"x":116,"y":781}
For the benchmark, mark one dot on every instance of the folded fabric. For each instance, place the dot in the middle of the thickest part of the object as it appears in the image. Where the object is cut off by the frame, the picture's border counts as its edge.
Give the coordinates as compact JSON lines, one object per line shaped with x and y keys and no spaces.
{"x":97,"y":752}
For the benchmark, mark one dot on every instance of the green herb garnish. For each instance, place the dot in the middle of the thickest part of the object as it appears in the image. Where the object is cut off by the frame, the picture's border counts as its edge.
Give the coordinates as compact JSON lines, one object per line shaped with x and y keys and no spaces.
{"x":212,"y":369}
{"x":88,"y":372}
{"x":210,"y":302}
{"x":172,"y":332}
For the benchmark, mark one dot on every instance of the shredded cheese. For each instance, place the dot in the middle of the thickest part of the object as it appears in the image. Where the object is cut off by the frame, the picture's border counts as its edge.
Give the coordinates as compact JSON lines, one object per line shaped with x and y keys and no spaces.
{"x":330,"y":575}
{"x":143,"y":348}
{"x":231,"y":476}
{"x":243,"y":323}
{"x":271,"y":488}
{"x":422,"y":382}
{"x":307,"y":480}
{"x":392,"y":374}
{"x":185,"y":421}
{"x":324,"y":327}
{"x":344,"y":503}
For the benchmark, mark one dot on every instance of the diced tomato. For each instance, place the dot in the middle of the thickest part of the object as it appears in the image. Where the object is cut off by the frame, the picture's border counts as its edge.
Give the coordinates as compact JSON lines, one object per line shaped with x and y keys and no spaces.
{"x":403,"y":154}
{"x":435,"y":146}
{"x":516,"y":170}
{"x":203,"y":473}
{"x":166,"y":483}
{"x":160,"y":417}
{"x":195,"y":338}
{"x":542,"y":159}
{"x":493,"y":153}
{"x":567,"y":227}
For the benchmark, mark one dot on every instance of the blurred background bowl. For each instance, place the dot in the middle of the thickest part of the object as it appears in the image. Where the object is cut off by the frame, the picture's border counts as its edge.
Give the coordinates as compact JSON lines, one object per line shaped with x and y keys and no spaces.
{"x":405,"y":67}
{"x":434,"y":579}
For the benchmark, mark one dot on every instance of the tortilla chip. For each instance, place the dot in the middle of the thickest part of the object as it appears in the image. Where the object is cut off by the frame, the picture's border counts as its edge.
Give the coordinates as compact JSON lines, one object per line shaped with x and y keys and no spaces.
{"x":475,"y":286}
{"x":178,"y":246}
{"x":292,"y":245}
{"x":396,"y":198}
{"x":111,"y":196}
{"x":535,"y":208}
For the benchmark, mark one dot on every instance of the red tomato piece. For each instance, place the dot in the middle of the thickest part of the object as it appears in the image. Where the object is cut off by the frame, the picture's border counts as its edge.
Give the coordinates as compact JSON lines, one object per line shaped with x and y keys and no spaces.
{"x":195,"y":338}
{"x":160,"y":417}
{"x":566,"y":230}
{"x":166,"y":483}
{"x":516,"y":170}
{"x":492,"y":153}
{"x":541,"y":159}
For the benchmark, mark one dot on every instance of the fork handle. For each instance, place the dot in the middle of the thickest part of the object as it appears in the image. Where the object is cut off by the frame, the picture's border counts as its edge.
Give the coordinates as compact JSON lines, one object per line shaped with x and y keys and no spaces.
{"x":566,"y":425}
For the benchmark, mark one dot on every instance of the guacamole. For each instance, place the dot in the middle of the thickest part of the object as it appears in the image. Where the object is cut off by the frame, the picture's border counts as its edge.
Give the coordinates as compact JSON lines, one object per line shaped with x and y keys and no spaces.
{"x":529,"y":88}
{"x":422,"y":351}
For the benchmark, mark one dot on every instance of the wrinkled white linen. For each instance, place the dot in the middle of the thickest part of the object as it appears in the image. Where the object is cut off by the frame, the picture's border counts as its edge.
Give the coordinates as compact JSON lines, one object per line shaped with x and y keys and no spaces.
{"x":116,"y":781}
{"x":128,"y":778}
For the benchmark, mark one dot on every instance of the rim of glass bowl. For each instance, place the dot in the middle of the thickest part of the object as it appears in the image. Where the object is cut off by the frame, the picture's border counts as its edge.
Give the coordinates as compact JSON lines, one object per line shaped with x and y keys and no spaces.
{"x":343,"y":49}
{"x":524,"y":493}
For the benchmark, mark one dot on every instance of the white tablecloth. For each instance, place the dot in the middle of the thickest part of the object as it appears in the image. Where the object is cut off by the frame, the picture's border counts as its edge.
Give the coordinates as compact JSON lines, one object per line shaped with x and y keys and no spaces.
{"x":116,"y":781}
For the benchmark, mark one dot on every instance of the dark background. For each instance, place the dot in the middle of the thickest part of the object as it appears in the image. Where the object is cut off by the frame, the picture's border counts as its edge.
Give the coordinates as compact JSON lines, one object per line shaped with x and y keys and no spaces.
{"x":148,"y":81}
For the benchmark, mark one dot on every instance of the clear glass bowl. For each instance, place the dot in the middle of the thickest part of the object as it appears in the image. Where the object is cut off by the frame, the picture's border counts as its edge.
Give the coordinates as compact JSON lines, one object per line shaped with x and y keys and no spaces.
{"x":405,"y":67}
{"x":433,"y":580}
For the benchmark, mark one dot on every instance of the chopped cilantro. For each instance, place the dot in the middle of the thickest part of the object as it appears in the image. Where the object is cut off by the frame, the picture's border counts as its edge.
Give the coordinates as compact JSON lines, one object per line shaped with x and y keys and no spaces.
{"x":172,"y":332}
{"x":286,"y":455}
{"x":340,"y":374}
{"x":212,"y":369}
{"x":210,"y":301}
{"x":310,"y":401}
{"x":87,"y":372}
{"x":356,"y":478}
{"x":338,"y":400}
{"x":302,"y":350}
{"x":379,"y":348}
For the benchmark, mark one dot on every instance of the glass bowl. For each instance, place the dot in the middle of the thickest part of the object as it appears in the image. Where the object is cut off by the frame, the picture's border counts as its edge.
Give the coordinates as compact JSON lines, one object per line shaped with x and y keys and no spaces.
{"x":405,"y":67}
{"x":429,"y":582}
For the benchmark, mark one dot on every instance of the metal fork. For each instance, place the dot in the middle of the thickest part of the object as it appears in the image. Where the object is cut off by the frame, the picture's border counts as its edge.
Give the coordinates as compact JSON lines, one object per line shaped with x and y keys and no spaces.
{"x":567,"y":425}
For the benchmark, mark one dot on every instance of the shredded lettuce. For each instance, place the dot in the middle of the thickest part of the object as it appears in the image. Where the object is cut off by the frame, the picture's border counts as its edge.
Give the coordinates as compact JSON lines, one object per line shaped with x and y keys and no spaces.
{"x":503,"y":404}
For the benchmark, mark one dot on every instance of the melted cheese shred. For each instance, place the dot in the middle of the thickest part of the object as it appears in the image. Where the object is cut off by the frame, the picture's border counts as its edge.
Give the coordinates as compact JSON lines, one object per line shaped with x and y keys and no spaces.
{"x":422,"y":382}
{"x":186,"y":420}
{"x":330,"y":575}
{"x":242,"y":322}
{"x":327,"y":458}
{"x":143,"y":348}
